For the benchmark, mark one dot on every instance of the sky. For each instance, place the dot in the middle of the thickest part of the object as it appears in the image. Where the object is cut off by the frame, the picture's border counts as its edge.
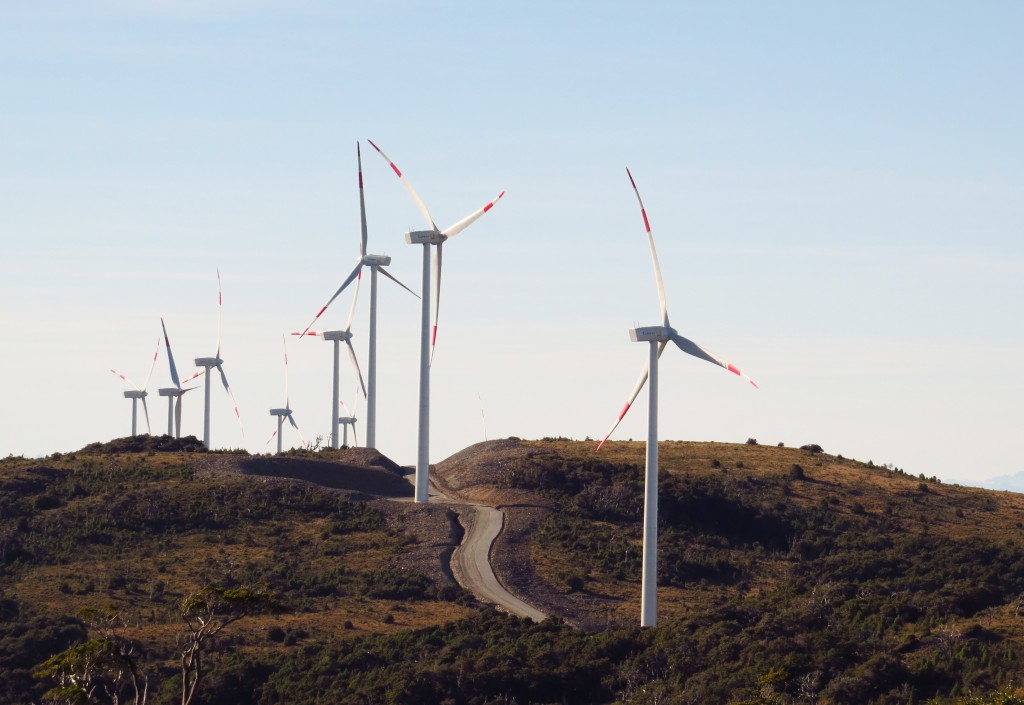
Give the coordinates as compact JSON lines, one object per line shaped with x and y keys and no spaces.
{"x":834,"y":190}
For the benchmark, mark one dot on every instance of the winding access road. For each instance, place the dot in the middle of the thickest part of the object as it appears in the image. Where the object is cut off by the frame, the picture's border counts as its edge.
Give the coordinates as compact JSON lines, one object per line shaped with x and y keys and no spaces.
{"x":472,"y":565}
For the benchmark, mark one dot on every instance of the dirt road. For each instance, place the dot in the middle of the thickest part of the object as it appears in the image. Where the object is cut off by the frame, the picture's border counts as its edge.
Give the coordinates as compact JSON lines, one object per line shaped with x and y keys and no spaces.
{"x":471,"y":562}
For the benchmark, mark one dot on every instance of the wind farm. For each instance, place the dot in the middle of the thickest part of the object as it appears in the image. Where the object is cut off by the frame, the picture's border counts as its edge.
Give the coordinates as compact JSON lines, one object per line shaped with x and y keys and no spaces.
{"x":482,"y":517}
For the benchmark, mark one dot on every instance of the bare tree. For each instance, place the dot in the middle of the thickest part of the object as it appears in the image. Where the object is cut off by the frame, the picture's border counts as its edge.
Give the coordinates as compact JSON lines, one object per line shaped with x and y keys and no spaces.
{"x":206,"y":613}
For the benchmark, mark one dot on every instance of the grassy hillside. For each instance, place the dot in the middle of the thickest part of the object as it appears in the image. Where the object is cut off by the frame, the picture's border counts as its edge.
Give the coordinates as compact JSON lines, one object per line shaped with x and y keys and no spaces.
{"x":786,"y":575}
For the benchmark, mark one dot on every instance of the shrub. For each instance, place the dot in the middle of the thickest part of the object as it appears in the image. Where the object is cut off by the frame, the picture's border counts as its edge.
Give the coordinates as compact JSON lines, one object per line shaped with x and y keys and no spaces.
{"x":276,"y":634}
{"x":751,"y":441}
{"x":796,"y":472}
{"x":812,"y":448}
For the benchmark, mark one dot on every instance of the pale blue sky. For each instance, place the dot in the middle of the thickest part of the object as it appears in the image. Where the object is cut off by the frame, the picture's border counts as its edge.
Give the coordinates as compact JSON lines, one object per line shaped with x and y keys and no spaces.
{"x":835,"y":191}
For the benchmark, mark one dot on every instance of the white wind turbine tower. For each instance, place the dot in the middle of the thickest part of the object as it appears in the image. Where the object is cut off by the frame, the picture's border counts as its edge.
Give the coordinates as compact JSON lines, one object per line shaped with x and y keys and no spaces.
{"x":338,"y":337}
{"x":135,"y":394}
{"x":433,"y":236}
{"x":376,"y":263}
{"x":286,"y":411}
{"x":173,"y":393}
{"x":207,"y":363}
{"x":658,"y":337}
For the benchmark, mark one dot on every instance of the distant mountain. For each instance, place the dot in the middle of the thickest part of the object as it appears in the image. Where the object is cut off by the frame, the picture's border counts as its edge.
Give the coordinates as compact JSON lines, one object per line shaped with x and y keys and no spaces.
{"x":1011,"y":483}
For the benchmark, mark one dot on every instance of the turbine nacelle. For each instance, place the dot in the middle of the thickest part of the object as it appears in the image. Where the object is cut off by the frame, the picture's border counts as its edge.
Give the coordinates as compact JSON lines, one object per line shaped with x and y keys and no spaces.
{"x":208,"y":362}
{"x":341,"y":335}
{"x":652,"y":334}
{"x":135,"y":394}
{"x":281,"y":412}
{"x":171,"y":391}
{"x":425,"y":237}
{"x":376,"y":260}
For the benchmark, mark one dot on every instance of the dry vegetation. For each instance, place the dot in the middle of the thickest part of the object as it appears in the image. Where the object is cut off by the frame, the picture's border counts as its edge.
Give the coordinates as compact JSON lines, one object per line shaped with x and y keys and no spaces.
{"x":787,"y":575}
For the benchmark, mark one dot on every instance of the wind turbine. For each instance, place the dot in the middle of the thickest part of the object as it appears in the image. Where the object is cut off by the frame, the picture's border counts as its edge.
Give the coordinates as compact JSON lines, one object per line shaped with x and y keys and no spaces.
{"x":173,"y":393}
{"x":338,"y":337}
{"x":433,"y":236}
{"x":376,"y":263}
{"x":285,"y":412}
{"x":135,"y":394}
{"x":347,"y":421}
{"x":207,"y":363}
{"x":658,"y":337}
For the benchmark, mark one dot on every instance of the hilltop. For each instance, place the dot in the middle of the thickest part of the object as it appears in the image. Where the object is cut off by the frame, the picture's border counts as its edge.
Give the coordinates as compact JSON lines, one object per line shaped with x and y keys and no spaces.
{"x":787,"y":575}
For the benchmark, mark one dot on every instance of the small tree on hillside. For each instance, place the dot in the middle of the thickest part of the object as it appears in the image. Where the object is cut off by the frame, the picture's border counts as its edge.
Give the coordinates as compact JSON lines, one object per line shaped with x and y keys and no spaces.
{"x":206,"y":613}
{"x":104,"y":669}
{"x":98,"y":671}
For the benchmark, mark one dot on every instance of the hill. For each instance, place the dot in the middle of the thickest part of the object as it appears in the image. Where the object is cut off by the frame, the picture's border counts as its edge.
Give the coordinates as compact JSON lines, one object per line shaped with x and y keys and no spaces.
{"x":786,"y":575}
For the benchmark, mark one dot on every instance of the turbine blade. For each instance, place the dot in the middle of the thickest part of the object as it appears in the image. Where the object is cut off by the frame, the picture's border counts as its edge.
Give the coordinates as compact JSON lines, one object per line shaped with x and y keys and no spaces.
{"x":355,"y":363}
{"x":220,"y":310}
{"x":145,"y":412}
{"x":302,"y":440}
{"x":362,"y":203}
{"x":691,"y":348}
{"x":458,"y":227}
{"x":284,"y":343}
{"x":632,"y":397}
{"x":388,"y":274}
{"x":153,"y":366}
{"x":355,"y":299}
{"x":437,"y":298}
{"x":227,"y":388}
{"x":654,"y":255}
{"x":355,"y":436}
{"x":271,"y":437}
{"x":197,"y":373}
{"x":348,"y":280}
{"x":408,"y":187}
{"x":170,"y":357}
{"x":125,"y":379}
{"x":310,"y":334}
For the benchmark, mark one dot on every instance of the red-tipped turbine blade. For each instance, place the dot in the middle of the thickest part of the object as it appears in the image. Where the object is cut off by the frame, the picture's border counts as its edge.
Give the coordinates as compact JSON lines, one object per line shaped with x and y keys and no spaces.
{"x":348,"y":280}
{"x":458,"y":227}
{"x":362,"y":203}
{"x":437,"y":298}
{"x":156,"y":353}
{"x":654,"y":255}
{"x":227,"y":388}
{"x":632,"y":397}
{"x":691,"y":348}
{"x":125,"y":379}
{"x":291,"y":420}
{"x":408,"y":186}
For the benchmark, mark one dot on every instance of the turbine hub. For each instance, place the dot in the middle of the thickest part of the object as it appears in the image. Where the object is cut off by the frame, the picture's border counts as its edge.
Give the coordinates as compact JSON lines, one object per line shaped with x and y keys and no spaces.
{"x":651,"y":334}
